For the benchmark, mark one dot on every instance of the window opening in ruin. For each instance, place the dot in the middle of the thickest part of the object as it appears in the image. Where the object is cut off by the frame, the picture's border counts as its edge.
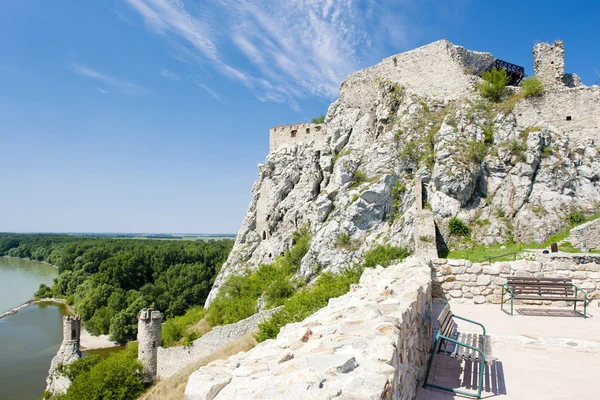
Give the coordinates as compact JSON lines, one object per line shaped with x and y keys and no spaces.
{"x":395,"y":62}
{"x":307,"y":131}
{"x":264,"y":235}
{"x":73,"y":334}
{"x":153,"y":343}
{"x":318,"y":128}
{"x":294,"y":133}
{"x":270,"y":255}
{"x":568,"y":117}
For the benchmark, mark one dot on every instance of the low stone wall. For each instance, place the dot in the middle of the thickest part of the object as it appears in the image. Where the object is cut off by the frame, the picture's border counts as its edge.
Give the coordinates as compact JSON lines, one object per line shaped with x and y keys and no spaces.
{"x":466,"y":282}
{"x":586,"y":236}
{"x":173,"y":359}
{"x":371,"y":343}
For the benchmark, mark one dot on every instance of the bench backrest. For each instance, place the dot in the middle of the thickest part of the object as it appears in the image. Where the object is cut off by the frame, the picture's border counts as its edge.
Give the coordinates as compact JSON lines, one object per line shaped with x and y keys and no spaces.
{"x":446,"y":322}
{"x":541,"y":286}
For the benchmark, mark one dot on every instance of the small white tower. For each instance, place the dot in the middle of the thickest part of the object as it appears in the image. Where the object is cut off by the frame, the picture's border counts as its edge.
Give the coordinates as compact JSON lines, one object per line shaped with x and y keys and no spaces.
{"x":71,"y":329}
{"x":149,"y":338}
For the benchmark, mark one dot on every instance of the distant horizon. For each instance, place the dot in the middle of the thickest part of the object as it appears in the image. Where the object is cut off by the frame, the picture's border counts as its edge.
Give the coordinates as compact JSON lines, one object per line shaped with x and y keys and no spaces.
{"x":120,"y":233}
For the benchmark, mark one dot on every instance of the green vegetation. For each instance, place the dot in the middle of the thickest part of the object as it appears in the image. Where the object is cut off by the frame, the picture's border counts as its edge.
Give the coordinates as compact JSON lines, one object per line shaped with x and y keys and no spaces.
{"x":576,"y":218}
{"x":481,"y":252}
{"x":383,"y":255}
{"x":344,"y":241}
{"x":175,"y":329}
{"x":342,"y":153}
{"x":116,"y":377}
{"x":532,"y":86}
{"x":476,"y":151}
{"x":493,"y":87}
{"x":307,"y":301}
{"x":238,"y":296}
{"x":109,"y":281}
{"x":358,"y":178}
{"x":318,"y":120}
{"x":397,"y":191}
{"x":458,"y":228}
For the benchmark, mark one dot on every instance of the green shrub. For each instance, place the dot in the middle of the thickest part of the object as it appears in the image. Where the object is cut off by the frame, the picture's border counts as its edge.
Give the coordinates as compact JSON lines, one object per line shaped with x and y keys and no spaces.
{"x":189,"y":338}
{"x":576,"y":218}
{"x":383,"y":255}
{"x":308,"y":301}
{"x":43,"y":292}
{"x":493,"y":87}
{"x":238,"y":296}
{"x":458,"y":228}
{"x":532,"y":86}
{"x":488,"y":135}
{"x":341,"y":154}
{"x":318,"y":120}
{"x":476,"y":151}
{"x":117,"y":377}
{"x":358,"y":177}
{"x":397,"y":191}
{"x":174,"y":329}
{"x":547,"y":151}
{"x":70,"y":300}
{"x":344,"y":241}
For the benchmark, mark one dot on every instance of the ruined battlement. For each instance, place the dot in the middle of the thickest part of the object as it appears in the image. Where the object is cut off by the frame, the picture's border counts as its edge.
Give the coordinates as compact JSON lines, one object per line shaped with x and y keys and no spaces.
{"x":149,"y":339}
{"x":549,"y":65}
{"x":71,"y":328}
{"x":296,"y":133}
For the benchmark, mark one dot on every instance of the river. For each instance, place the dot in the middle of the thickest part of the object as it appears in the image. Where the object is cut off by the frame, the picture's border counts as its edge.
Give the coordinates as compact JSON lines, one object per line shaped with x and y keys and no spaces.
{"x":30,"y":338}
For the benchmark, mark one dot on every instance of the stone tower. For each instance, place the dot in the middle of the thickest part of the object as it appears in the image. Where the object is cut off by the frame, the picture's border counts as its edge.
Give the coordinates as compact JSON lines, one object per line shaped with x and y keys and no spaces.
{"x":549,"y":63}
{"x":71,"y":329}
{"x":68,"y":352}
{"x":149,"y":338}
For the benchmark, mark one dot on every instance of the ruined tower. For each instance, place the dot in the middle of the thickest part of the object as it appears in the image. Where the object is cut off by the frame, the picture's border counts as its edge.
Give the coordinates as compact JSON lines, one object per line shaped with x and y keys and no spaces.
{"x":69,"y":351}
{"x":149,"y":338}
{"x":549,"y":63}
{"x":71,"y":330}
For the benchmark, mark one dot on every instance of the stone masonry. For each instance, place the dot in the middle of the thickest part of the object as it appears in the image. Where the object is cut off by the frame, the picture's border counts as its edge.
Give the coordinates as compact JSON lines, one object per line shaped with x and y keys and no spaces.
{"x":149,"y":339}
{"x":69,"y":351}
{"x":297,"y":133}
{"x":465,"y":282}
{"x":371,"y":343}
{"x":587,"y":236}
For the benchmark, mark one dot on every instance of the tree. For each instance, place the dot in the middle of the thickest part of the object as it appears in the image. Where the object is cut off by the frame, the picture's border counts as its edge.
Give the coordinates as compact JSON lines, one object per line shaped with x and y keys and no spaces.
{"x":493,"y":86}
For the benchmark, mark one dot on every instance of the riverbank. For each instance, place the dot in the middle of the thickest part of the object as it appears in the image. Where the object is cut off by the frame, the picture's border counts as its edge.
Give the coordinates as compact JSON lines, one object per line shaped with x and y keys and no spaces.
{"x":29,"y":259}
{"x":87,"y":340}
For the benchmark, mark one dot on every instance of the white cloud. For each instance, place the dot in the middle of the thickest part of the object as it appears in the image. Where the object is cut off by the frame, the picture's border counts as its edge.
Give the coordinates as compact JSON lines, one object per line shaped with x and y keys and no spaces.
{"x":169,"y":75}
{"x":294,"y":48}
{"x":210,"y":91}
{"x":122,"y":86}
{"x":103,"y":91}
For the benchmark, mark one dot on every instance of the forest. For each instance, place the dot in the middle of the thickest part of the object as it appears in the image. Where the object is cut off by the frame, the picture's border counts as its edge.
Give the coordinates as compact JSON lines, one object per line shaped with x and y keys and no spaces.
{"x":108,"y":281}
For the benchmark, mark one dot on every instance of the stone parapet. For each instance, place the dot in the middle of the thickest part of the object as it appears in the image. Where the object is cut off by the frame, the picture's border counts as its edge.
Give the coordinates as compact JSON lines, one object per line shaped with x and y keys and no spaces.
{"x":280,"y":136}
{"x":371,"y":343}
{"x":586,"y":236}
{"x":478,"y":283}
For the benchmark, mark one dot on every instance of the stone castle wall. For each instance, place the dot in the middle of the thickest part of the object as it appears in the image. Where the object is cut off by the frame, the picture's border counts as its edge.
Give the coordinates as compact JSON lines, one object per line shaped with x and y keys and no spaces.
{"x":549,"y":63}
{"x":371,"y":343}
{"x":586,"y":236}
{"x":479,"y":283}
{"x":297,"y":133}
{"x":173,"y":359}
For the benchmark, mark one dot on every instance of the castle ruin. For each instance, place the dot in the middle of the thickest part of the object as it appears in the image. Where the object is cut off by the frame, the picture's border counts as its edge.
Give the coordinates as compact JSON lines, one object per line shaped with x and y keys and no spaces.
{"x":549,"y":65}
{"x":296,"y":133}
{"x":69,"y":352}
{"x":149,"y":338}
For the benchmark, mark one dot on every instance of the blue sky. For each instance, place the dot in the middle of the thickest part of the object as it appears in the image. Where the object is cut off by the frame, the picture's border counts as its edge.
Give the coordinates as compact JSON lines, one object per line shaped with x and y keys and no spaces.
{"x":151,"y":115}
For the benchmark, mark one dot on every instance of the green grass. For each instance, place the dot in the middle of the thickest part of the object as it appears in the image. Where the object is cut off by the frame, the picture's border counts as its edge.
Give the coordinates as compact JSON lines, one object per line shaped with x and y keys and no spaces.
{"x":307,"y":301}
{"x":176,"y":328}
{"x":238,"y":297}
{"x":481,"y":252}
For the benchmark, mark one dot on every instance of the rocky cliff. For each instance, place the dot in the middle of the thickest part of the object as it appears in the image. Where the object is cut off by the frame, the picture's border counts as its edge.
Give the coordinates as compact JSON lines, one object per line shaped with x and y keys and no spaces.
{"x":512,"y":170}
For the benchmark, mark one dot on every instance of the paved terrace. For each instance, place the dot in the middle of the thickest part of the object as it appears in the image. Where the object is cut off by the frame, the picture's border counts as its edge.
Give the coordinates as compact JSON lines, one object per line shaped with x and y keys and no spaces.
{"x":539,"y":354}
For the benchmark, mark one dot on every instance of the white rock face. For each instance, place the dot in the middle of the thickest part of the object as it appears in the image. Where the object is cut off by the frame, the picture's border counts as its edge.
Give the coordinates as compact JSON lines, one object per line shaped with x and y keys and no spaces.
{"x":414,"y":116}
{"x":371,"y":343}
{"x":67,"y":353}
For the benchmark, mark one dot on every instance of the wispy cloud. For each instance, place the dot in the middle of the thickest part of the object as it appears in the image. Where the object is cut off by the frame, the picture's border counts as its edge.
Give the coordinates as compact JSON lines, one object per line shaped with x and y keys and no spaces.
{"x":103,"y":91}
{"x":123,"y":86}
{"x":294,"y":49}
{"x":169,"y":75}
{"x":210,"y":91}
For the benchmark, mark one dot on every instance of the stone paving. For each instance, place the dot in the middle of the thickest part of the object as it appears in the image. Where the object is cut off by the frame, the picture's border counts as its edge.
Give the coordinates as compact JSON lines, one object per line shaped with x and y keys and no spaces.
{"x":537,"y":355}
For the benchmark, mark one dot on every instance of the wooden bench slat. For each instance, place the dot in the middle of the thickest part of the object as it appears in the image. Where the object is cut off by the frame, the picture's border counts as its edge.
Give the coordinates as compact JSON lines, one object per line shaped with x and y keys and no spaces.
{"x":529,"y":278}
{"x":540,"y":298}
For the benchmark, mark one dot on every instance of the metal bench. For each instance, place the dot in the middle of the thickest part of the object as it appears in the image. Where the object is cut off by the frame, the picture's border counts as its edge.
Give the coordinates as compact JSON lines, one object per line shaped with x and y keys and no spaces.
{"x":554,"y":289}
{"x":465,"y":346}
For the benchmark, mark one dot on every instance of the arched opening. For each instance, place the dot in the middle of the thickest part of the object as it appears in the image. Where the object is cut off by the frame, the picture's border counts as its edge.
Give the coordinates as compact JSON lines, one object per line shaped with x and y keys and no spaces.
{"x":294,"y":132}
{"x":264,"y":235}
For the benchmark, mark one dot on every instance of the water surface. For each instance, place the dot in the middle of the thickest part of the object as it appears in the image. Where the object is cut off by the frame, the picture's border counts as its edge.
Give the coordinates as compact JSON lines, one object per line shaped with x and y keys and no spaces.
{"x":20,"y":279}
{"x":30,"y":338}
